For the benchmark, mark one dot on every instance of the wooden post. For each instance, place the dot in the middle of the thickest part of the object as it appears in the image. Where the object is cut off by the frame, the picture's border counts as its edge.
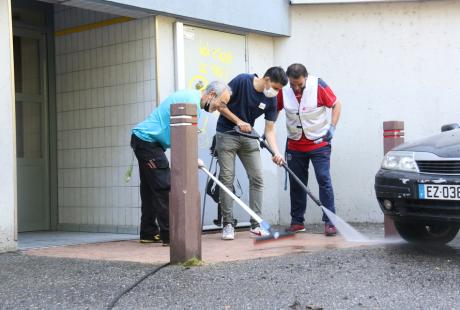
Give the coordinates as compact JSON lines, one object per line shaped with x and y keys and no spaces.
{"x":184,"y":206}
{"x":393,"y":135}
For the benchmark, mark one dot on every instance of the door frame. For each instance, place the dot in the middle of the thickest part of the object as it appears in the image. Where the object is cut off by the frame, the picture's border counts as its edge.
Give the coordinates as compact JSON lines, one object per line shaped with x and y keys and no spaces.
{"x":50,"y":87}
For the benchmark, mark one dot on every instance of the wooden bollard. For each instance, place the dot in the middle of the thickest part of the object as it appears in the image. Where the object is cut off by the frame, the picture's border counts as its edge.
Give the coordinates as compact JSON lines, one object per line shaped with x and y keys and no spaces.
{"x":184,"y":198}
{"x":393,"y":135}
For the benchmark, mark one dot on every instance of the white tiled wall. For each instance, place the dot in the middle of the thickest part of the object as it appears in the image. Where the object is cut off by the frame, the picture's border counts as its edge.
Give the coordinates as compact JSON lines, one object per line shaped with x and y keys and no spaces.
{"x":105,"y":85}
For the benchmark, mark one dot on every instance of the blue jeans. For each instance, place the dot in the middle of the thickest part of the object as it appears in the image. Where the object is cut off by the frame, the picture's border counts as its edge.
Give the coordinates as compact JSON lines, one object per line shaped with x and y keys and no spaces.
{"x":299,"y":163}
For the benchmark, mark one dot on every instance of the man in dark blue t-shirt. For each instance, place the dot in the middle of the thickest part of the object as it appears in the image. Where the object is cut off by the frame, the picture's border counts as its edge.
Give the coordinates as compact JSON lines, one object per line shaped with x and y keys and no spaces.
{"x":251,"y":97}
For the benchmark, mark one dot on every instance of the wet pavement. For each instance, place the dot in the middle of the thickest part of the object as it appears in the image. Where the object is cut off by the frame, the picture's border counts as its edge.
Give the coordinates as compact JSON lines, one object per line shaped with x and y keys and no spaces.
{"x":382,"y":276}
{"x":214,"y":250}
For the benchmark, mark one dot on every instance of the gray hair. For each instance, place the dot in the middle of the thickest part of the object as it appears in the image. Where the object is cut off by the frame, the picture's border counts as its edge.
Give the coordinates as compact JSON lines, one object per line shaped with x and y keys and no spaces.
{"x":218,"y":87}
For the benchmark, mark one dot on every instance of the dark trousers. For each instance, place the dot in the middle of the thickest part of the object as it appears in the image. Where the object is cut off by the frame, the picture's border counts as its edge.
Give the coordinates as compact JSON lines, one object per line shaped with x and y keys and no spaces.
{"x":154,"y":188}
{"x":299,"y":163}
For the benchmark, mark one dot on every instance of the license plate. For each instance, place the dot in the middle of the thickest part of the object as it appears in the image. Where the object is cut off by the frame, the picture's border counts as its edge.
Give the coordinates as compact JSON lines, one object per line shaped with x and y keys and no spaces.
{"x":441,"y":192}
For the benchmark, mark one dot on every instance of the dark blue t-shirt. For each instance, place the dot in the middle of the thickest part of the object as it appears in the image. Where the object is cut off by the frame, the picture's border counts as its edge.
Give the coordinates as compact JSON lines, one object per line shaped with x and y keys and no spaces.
{"x":247,"y":103}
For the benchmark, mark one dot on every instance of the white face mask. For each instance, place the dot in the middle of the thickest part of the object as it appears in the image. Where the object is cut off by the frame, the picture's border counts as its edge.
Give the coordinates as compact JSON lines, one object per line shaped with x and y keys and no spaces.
{"x":270,"y":93}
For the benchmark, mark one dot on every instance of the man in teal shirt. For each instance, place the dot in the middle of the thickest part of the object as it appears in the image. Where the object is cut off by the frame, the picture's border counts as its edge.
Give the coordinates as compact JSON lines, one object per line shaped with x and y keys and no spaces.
{"x":149,"y":140}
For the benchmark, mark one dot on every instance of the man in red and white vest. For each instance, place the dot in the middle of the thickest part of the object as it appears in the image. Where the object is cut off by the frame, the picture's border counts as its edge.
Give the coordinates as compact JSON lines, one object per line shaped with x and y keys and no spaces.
{"x":305,"y":101}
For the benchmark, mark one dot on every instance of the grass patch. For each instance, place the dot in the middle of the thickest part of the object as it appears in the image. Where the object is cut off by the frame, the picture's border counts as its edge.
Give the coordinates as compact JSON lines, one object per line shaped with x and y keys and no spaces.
{"x":192,"y":262}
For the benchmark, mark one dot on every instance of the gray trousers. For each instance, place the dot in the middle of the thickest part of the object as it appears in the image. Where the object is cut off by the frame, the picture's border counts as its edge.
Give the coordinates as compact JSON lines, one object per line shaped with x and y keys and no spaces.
{"x":228,"y":146}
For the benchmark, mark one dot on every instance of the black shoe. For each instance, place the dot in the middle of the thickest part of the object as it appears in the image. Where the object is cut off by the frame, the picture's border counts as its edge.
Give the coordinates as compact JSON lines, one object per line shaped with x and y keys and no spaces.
{"x":165,"y":242}
{"x":156,"y":238}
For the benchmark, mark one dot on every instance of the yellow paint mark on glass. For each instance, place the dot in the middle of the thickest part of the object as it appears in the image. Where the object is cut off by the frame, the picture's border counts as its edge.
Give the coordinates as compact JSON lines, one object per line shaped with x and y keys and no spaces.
{"x":226,"y":57}
{"x":215,"y":53}
{"x":217,"y":71}
{"x":198,"y":82}
{"x":204,"y":51}
{"x":213,"y":64}
{"x":203,"y":68}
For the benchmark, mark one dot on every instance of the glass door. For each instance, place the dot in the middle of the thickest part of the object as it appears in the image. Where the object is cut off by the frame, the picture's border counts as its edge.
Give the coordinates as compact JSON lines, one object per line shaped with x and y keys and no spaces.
{"x":31,"y":131}
{"x":214,"y":55}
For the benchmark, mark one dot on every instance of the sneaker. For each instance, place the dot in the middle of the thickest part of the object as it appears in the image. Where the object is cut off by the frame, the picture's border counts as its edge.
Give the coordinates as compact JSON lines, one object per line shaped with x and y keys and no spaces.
{"x":156,"y":238}
{"x":165,"y":242}
{"x":330,"y":230}
{"x":228,"y":233}
{"x":295,"y":228}
{"x":258,"y":232}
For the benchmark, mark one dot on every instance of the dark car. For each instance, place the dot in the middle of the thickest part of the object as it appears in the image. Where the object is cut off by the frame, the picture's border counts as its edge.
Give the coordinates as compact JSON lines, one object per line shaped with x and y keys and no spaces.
{"x":418,"y":186}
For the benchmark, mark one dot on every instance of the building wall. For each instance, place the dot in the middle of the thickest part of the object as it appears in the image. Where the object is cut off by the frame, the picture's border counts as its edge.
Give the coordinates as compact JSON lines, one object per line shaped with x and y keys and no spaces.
{"x":7,"y":143}
{"x":105,"y":84}
{"x":272,"y":15}
{"x":392,"y":61}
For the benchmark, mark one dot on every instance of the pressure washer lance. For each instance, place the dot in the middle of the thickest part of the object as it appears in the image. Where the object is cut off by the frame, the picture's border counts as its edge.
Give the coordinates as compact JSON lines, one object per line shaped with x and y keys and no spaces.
{"x":345,"y":229}
{"x":263,"y":144}
{"x":263,"y":224}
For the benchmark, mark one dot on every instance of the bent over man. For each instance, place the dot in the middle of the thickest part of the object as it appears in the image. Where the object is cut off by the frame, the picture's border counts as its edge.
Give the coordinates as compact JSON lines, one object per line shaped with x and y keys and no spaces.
{"x":149,"y":140}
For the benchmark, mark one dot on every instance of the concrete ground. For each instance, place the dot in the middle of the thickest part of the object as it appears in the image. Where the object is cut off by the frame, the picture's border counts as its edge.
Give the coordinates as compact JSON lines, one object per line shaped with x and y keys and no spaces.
{"x":394,"y":276}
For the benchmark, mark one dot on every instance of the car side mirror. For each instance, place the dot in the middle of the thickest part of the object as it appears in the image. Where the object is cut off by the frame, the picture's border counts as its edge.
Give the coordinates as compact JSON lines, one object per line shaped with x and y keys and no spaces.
{"x":448,"y":127}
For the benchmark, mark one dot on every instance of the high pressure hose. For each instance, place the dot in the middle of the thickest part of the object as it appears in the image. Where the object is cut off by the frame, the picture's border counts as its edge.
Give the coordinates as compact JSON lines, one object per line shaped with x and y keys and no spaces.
{"x":117,"y":298}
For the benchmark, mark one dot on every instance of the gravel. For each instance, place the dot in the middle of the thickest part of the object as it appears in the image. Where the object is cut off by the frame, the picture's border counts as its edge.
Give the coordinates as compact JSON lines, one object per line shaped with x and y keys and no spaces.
{"x":394,"y":276}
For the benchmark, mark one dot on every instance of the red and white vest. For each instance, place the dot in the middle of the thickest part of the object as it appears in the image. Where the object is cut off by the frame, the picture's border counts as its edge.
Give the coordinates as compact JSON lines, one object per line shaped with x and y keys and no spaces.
{"x":306,"y":116}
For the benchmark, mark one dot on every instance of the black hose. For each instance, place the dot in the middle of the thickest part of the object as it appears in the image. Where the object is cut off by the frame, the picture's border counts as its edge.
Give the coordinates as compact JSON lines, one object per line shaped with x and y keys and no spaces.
{"x":117,"y":298}
{"x":205,"y":194}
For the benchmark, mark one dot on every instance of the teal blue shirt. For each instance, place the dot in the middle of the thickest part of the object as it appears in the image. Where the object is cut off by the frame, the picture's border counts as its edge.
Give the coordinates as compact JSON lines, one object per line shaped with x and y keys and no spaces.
{"x":156,"y":128}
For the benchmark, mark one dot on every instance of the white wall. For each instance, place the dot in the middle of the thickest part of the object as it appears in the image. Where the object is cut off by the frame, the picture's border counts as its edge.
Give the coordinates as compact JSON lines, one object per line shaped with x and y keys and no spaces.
{"x":237,"y":13}
{"x":165,"y":56}
{"x":7,"y":155}
{"x":105,"y":85}
{"x":393,"y":61}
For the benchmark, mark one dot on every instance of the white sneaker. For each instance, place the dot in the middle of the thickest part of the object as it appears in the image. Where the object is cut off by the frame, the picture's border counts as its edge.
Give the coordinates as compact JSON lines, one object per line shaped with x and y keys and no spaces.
{"x":228,"y":233}
{"x":258,"y":232}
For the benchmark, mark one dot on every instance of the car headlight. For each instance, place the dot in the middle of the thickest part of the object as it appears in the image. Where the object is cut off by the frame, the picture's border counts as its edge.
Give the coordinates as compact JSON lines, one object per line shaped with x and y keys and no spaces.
{"x":397,"y":160}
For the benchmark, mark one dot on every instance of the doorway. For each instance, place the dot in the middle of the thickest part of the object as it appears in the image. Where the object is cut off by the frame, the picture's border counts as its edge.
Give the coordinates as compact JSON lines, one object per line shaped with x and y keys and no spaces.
{"x":32,"y":145}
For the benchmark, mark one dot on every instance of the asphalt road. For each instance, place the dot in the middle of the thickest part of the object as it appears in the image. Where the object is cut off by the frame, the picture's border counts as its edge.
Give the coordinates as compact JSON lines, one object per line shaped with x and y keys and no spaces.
{"x":392,"y":276}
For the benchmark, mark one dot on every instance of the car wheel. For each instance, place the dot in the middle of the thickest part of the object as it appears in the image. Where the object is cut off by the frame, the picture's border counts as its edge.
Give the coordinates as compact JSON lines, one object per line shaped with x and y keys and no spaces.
{"x":435,"y":233}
